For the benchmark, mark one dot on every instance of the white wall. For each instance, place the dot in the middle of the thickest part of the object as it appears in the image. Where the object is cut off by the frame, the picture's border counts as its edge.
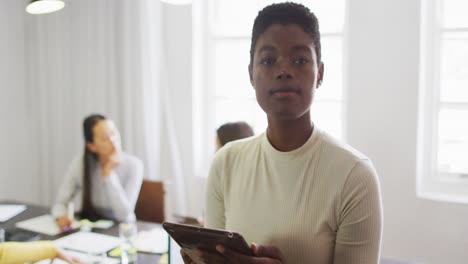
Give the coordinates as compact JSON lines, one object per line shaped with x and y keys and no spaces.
{"x":16,"y":160}
{"x":382,"y":122}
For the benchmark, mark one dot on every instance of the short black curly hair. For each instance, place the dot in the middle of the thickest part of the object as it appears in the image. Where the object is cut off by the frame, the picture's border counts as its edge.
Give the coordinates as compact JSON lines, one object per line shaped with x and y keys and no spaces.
{"x":286,"y":13}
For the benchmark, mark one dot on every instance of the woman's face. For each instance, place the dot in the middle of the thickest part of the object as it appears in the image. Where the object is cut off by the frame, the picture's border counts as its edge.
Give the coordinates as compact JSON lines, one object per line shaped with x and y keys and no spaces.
{"x":285,"y":71}
{"x":106,"y":139}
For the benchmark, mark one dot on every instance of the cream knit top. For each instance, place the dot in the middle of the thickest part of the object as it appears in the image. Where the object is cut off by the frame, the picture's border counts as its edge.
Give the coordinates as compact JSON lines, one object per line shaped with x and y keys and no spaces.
{"x":318,"y":204}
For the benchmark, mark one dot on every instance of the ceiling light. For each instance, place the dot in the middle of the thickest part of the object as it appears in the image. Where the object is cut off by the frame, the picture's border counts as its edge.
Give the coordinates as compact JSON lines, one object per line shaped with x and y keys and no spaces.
{"x":177,"y":2}
{"x":44,"y":6}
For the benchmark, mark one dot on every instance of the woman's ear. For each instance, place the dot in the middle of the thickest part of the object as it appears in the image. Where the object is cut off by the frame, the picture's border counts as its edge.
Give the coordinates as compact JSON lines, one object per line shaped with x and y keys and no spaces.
{"x":91,"y":147}
{"x":251,"y":74}
{"x":321,"y":71}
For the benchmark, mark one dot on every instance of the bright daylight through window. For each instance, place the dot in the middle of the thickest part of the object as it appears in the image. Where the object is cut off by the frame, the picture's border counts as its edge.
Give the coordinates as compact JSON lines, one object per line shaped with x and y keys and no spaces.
{"x":443,"y":146}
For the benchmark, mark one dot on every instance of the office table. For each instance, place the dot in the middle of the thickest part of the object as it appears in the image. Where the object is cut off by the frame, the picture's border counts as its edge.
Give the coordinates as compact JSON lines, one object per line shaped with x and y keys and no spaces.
{"x":37,"y":210}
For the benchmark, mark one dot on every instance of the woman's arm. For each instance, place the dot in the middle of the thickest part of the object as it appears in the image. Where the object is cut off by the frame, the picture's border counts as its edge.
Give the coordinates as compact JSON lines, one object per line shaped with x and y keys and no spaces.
{"x":17,"y":252}
{"x":360,"y":221}
{"x":68,"y":188}
{"x":123,"y":196}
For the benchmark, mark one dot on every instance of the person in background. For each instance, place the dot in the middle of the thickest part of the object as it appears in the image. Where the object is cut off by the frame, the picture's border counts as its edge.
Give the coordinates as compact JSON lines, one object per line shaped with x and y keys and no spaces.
{"x":294,"y":192}
{"x":224,"y":134}
{"x":21,"y":252}
{"x":105,"y":179}
{"x":232,"y":131}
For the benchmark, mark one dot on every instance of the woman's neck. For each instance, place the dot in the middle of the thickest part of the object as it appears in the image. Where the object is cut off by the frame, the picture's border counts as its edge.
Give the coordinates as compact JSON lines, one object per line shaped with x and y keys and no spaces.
{"x":288,"y":135}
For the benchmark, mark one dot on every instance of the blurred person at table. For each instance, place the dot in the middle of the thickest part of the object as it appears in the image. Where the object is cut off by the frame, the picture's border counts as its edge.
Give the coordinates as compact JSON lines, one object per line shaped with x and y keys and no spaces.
{"x":105,"y":179}
{"x":232,"y":131}
{"x":225,"y":133}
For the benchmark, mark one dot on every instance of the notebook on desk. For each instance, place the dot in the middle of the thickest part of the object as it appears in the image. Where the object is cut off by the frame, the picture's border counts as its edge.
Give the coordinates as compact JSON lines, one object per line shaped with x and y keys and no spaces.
{"x":44,"y":224}
{"x":88,"y":242}
{"x":85,"y":258}
{"x":174,"y":252}
{"x":152,"y":241}
{"x":8,"y":211}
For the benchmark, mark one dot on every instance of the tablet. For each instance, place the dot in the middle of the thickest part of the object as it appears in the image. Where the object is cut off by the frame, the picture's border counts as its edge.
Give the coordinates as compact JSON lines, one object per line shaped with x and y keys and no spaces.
{"x":194,"y":237}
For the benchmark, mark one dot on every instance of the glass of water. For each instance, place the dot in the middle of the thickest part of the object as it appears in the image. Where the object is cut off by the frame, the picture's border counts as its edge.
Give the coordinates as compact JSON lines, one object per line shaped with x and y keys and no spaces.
{"x":128,"y":233}
{"x":2,"y":235}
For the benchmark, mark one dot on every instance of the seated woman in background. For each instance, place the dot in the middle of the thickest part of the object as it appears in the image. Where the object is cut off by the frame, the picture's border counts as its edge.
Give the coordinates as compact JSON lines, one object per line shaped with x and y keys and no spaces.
{"x":21,"y":252}
{"x":107,"y":179}
{"x":232,"y":131}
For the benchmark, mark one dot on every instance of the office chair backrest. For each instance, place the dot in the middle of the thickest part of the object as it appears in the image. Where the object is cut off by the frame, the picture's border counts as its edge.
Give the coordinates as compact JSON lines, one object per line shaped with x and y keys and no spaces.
{"x":150,"y":204}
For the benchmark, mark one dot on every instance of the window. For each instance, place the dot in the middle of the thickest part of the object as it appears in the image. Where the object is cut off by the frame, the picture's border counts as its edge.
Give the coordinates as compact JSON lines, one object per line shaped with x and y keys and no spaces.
{"x":443,"y":137}
{"x":222,"y":90}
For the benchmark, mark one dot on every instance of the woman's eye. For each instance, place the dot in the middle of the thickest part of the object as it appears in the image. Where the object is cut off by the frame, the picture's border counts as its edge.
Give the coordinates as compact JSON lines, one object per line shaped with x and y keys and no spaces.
{"x":300,"y":61}
{"x":267,"y":61}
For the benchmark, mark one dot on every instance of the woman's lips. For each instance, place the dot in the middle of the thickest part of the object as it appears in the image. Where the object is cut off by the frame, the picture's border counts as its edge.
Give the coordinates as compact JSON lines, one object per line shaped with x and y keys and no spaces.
{"x":284,"y":94}
{"x":281,"y":93}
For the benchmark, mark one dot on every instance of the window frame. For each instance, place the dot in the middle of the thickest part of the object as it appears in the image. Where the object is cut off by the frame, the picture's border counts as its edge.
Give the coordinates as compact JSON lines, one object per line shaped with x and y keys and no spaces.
{"x":432,"y":184}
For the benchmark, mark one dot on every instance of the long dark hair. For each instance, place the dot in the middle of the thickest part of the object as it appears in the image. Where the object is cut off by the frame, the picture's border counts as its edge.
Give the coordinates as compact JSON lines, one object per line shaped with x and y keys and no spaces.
{"x":89,"y":159}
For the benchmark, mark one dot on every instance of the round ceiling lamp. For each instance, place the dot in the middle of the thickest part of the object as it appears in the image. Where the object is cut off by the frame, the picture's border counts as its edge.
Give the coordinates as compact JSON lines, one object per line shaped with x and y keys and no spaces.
{"x":44,"y":6}
{"x":177,"y":2}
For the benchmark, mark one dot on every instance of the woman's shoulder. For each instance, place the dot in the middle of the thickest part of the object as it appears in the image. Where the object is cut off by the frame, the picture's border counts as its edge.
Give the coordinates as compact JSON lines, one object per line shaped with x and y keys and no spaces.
{"x":341,"y":159}
{"x":339,"y":149}
{"x":131,"y":160}
{"x":241,"y":151}
{"x":241,"y":146}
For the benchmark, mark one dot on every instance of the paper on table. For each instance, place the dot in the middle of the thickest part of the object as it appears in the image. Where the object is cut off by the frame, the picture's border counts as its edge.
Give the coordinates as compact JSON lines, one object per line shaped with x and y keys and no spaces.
{"x":152,"y":241}
{"x":85,"y":258}
{"x":8,"y":211}
{"x":44,"y":224}
{"x":103,"y":224}
{"x":174,"y":252}
{"x":88,"y":242}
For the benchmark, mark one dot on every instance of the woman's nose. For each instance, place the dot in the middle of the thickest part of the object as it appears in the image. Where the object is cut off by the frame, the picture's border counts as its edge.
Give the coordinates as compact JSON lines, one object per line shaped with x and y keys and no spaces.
{"x":284,"y":74}
{"x":283,"y":70}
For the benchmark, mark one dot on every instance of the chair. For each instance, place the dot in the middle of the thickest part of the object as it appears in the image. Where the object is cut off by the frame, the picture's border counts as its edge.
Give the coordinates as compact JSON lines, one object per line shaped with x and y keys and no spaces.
{"x":150,"y":203}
